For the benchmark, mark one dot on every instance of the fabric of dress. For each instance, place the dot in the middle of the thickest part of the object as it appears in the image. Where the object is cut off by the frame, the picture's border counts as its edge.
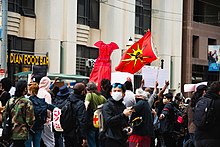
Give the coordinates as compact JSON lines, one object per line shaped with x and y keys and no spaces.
{"x":102,"y":67}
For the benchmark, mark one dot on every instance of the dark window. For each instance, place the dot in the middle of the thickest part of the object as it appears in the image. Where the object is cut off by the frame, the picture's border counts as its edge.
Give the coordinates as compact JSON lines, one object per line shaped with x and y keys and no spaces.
{"x":206,"y":11}
{"x":23,"y":7}
{"x":142,"y":16}
{"x":195,"y":47}
{"x":88,"y":13}
{"x":23,"y":46}
{"x":13,"y":6}
{"x":84,"y":54}
{"x":27,"y":8}
{"x":200,"y":73}
{"x":211,"y":41}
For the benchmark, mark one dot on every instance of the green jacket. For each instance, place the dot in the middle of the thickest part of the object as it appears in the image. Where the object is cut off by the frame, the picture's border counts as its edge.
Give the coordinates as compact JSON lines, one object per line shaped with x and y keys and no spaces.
{"x":22,"y":117}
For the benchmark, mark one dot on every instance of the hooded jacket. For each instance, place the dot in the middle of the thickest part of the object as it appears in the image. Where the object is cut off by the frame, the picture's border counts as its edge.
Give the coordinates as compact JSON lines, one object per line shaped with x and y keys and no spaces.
{"x":142,"y":109}
{"x":43,"y":91}
{"x":213,"y":131}
{"x":114,"y":120}
{"x":80,"y":111}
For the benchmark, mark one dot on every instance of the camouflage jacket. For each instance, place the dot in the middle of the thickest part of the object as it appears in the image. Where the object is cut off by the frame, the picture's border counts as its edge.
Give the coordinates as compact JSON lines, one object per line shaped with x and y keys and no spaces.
{"x":22,"y":117}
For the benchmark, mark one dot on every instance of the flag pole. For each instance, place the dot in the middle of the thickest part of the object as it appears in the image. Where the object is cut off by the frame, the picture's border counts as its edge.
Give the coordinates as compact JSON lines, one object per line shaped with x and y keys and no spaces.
{"x":158,"y":68}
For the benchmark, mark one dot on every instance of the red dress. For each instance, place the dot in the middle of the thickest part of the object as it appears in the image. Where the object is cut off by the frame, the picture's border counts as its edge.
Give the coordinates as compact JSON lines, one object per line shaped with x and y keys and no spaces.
{"x":102,"y":67}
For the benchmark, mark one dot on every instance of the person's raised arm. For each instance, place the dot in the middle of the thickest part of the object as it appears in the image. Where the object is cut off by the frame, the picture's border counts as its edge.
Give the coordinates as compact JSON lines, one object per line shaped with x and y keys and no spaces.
{"x":160,"y":94}
{"x":142,"y":84}
{"x":55,"y":80}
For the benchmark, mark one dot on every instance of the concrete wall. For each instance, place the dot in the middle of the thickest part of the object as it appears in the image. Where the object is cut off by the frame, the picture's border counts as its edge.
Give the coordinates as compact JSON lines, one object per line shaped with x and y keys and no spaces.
{"x":117,"y":21}
{"x":167,"y":37}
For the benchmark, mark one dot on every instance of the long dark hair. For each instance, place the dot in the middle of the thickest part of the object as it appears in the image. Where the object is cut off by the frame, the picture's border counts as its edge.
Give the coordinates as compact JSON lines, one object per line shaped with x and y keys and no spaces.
{"x":197,"y":94}
{"x":20,"y":88}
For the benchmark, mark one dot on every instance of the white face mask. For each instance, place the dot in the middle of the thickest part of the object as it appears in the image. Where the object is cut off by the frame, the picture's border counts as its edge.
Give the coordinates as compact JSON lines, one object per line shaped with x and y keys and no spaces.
{"x":117,"y":96}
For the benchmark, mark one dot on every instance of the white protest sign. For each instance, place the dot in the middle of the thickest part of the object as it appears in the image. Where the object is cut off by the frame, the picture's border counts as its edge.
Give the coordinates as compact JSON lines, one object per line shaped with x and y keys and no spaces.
{"x":121,"y":77}
{"x":153,"y":73}
{"x":192,"y":87}
{"x":189,"y":87}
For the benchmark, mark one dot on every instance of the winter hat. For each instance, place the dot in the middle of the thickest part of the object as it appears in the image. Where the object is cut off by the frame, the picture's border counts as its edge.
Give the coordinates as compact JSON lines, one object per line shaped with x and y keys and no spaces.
{"x":64,"y":91}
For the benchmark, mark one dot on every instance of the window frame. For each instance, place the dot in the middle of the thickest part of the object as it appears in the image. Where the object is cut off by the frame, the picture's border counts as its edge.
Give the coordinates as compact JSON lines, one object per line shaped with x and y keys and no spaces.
{"x":87,"y":18}
{"x":142,"y":14}
{"x":21,"y":7}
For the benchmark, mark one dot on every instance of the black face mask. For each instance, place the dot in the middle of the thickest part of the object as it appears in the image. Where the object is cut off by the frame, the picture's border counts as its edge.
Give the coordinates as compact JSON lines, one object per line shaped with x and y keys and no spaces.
{"x":1,"y":91}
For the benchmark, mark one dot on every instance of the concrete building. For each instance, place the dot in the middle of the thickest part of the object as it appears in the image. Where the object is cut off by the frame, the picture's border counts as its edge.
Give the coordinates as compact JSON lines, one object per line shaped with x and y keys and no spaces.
{"x":66,"y":30}
{"x":201,"y":27}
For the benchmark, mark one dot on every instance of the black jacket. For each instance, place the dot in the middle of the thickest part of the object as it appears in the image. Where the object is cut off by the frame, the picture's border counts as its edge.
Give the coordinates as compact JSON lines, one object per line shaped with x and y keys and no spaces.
{"x":213,"y":131}
{"x":80,"y":110}
{"x":167,"y":124}
{"x":60,"y":101}
{"x":115,"y":120}
{"x":142,"y":109}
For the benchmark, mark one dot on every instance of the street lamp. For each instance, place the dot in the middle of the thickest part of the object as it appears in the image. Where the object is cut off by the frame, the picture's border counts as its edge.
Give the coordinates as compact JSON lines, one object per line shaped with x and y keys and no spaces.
{"x":162,"y":62}
{"x":130,"y":43}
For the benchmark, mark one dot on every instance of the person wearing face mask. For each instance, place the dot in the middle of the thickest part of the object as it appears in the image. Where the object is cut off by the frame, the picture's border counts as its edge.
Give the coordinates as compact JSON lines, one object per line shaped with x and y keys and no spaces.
{"x":167,"y":121}
{"x":115,"y":116}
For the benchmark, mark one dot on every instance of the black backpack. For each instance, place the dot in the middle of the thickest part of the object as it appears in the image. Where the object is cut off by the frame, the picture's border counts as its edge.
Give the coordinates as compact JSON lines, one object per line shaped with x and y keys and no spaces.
{"x":68,"y":117}
{"x":203,"y":115}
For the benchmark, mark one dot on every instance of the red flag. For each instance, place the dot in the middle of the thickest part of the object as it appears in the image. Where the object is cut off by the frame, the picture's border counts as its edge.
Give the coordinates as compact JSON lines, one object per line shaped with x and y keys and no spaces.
{"x":139,"y":54}
{"x":102,"y":67}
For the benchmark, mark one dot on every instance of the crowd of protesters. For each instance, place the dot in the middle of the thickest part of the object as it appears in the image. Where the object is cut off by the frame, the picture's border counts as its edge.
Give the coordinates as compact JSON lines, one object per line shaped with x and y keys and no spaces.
{"x":142,"y":117}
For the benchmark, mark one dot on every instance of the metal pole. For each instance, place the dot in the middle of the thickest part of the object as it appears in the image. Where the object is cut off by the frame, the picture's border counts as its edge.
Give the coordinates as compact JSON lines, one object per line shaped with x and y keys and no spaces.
{"x":4,"y":35}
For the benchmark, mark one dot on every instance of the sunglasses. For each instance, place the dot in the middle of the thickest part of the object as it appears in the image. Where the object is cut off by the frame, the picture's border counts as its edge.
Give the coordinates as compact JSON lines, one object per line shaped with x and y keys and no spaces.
{"x":117,"y":85}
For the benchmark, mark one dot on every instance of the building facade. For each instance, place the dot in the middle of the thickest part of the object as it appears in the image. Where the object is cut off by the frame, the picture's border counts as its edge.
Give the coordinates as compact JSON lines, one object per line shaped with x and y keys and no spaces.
{"x":65,"y":31}
{"x":201,"y":28}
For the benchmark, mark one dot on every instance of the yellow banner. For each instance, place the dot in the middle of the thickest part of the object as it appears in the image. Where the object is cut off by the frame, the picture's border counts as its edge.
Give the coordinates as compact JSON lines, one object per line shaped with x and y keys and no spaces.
{"x":25,"y":59}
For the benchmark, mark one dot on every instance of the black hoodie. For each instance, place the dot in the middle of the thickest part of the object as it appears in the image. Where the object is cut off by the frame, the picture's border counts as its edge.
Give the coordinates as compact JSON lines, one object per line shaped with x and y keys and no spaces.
{"x":211,"y":132}
{"x":115,"y":120}
{"x":80,"y":110}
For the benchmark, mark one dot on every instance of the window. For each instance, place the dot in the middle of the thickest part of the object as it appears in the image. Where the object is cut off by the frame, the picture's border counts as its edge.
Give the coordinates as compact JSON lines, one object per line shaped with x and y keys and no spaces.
{"x":142,"y":16}
{"x":23,"y":46}
{"x":206,"y":11}
{"x":23,"y":7}
{"x":88,"y":13}
{"x":200,"y":73}
{"x":85,"y":54}
{"x":195,"y":47}
{"x":211,"y":41}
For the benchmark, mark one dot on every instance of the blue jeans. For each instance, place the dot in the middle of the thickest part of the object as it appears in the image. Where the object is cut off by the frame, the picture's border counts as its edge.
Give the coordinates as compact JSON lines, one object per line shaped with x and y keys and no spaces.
{"x":92,"y":137}
{"x":35,"y":138}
